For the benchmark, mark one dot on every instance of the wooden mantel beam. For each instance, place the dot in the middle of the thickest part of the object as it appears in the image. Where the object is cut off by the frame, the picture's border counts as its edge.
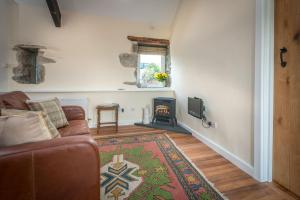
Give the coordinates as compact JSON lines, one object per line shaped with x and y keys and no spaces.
{"x":55,"y":12}
{"x":150,"y":41}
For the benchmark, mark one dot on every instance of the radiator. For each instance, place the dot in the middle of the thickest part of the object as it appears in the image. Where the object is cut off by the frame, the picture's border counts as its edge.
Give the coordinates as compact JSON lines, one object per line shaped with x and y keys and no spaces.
{"x":83,"y":102}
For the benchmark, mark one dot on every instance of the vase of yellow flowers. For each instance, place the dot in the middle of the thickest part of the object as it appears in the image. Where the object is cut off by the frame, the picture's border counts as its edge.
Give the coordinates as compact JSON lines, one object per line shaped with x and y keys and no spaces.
{"x":161,"y":76}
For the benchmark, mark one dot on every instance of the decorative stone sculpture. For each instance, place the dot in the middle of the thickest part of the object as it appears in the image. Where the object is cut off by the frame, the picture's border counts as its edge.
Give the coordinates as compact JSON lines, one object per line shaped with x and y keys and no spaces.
{"x":30,"y":69}
{"x":130,"y":60}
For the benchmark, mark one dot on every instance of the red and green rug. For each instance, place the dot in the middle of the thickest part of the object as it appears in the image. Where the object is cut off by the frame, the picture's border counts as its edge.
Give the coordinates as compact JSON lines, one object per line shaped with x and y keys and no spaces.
{"x":149,"y":167}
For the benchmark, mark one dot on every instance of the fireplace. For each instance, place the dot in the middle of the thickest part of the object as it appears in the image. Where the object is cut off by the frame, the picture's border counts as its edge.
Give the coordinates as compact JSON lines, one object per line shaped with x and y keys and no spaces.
{"x":164,"y":111}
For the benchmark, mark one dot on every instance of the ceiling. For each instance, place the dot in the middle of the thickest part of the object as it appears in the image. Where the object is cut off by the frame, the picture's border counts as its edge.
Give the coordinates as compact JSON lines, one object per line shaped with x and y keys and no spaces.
{"x":156,"y":12}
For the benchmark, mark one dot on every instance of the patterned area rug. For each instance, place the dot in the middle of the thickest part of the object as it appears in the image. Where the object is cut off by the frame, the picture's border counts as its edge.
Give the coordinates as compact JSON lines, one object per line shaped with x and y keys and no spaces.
{"x":149,"y":167}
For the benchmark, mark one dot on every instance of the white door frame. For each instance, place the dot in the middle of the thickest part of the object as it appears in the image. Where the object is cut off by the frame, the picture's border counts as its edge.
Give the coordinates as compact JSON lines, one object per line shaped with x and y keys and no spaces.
{"x":264,"y":90}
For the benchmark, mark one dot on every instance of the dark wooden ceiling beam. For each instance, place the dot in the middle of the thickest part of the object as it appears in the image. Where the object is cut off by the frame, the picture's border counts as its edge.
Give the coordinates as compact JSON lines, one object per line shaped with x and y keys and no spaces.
{"x":149,"y":41}
{"x":55,"y":12}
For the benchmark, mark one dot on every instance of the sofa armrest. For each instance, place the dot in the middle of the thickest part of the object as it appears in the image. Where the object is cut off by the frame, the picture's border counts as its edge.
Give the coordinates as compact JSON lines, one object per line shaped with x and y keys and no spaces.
{"x":74,"y":112}
{"x":63,"y":168}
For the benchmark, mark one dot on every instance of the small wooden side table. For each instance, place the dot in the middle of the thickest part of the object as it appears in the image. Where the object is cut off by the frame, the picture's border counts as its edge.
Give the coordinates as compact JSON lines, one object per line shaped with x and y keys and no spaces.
{"x":107,"y":107}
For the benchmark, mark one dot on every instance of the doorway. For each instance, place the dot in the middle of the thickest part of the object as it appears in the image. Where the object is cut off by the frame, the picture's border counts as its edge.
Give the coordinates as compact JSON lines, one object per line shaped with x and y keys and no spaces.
{"x":286,"y":135}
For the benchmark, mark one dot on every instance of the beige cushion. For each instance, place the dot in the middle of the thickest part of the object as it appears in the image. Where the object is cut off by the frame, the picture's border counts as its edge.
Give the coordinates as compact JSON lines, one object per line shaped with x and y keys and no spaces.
{"x":19,"y":129}
{"x":52,"y":108}
{"x":54,"y":132}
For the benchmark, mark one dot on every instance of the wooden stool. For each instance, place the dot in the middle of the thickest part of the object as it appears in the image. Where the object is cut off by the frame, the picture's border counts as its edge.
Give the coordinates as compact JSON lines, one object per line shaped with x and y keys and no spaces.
{"x":107,"y":107}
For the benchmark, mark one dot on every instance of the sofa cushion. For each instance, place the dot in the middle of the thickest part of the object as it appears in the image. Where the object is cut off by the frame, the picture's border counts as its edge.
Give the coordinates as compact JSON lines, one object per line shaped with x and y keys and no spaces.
{"x":53,"y":109}
{"x":51,"y":127}
{"x":14,"y":100}
{"x":19,"y":129}
{"x":76,"y":127}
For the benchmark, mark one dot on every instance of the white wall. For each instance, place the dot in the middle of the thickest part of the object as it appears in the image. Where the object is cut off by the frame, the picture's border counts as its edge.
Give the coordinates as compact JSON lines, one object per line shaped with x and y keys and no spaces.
{"x":213,"y":58}
{"x":86,"y":50}
{"x":131,"y":101}
{"x":7,"y":17}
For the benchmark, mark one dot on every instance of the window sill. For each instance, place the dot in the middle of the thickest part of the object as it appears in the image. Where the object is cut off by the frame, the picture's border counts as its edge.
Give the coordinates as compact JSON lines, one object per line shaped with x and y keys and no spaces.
{"x":166,"y":89}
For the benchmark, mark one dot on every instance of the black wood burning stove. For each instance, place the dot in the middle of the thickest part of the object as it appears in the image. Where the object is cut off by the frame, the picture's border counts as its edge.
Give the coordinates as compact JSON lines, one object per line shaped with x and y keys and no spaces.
{"x":164,"y":111}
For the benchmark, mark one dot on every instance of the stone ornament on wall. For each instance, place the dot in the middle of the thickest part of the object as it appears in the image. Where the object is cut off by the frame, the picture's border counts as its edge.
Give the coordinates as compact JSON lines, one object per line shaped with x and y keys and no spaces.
{"x":130,"y":60}
{"x":30,"y":69}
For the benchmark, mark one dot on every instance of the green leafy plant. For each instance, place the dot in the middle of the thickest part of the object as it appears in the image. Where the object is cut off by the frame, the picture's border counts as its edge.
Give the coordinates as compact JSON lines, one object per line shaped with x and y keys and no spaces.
{"x":150,"y":71}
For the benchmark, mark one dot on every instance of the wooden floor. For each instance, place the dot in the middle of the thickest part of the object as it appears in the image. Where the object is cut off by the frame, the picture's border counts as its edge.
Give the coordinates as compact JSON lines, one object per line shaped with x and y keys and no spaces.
{"x":226,"y":177}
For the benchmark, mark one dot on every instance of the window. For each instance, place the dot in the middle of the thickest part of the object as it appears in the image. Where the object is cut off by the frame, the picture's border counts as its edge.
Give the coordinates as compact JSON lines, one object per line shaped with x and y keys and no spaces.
{"x":148,"y":66}
{"x":151,"y":61}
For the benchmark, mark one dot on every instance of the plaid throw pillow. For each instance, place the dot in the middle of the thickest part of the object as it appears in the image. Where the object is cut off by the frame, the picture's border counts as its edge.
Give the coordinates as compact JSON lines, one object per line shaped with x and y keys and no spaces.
{"x":51,"y":127}
{"x":52,"y":108}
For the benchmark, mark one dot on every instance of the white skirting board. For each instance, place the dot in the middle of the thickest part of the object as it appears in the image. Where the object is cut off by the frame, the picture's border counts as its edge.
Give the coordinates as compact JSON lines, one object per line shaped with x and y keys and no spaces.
{"x":222,"y":151}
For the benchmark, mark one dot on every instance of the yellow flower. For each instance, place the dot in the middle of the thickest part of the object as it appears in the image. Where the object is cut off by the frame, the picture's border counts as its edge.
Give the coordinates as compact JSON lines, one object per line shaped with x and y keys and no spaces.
{"x":162,"y":76}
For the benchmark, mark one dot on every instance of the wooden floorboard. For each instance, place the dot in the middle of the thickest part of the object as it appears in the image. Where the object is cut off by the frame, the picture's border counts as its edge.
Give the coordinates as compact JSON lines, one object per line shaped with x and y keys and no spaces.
{"x":226,"y":177}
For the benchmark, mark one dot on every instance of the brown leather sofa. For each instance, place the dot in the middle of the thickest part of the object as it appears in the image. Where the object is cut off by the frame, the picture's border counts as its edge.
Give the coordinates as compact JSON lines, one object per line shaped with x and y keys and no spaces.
{"x":63,"y":168}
